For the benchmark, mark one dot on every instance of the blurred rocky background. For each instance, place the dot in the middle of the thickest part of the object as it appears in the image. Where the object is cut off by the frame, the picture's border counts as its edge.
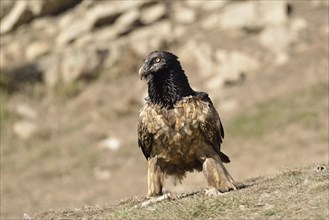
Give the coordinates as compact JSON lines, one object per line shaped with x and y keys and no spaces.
{"x":70,"y":93}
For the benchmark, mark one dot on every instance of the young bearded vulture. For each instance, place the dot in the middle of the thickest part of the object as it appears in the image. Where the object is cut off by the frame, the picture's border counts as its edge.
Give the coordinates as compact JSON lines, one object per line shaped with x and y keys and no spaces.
{"x":179,"y":129}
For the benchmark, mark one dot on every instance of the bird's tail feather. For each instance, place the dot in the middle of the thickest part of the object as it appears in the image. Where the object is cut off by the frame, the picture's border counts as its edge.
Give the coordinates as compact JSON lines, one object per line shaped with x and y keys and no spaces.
{"x":224,"y":158}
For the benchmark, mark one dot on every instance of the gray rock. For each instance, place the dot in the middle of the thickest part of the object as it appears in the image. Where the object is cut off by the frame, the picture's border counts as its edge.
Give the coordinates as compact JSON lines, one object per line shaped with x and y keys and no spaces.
{"x":71,"y":64}
{"x":298,"y":24}
{"x":11,"y":55}
{"x":126,"y":21}
{"x":25,"y":129}
{"x":211,"y":21}
{"x":249,"y":15}
{"x":46,"y":7}
{"x":272,"y":12}
{"x":153,"y":13}
{"x":106,"y":12}
{"x":110,"y":143}
{"x":74,"y":30}
{"x":25,"y":11}
{"x":119,"y":16}
{"x":5,"y":8}
{"x":320,"y":3}
{"x":27,"y":43}
{"x":36,"y":49}
{"x":78,"y":63}
{"x":150,"y":38}
{"x":26,"y":111}
{"x":18,"y":15}
{"x":281,"y":58}
{"x":213,"y":5}
{"x":277,"y":38}
{"x":99,"y":37}
{"x":201,"y":54}
{"x":232,"y":66}
{"x":46,"y":27}
{"x":179,"y":31}
{"x":50,"y":66}
{"x":78,"y":23}
{"x":102,"y":174}
{"x":184,"y":15}
{"x":206,"y":5}
{"x":238,"y":15}
{"x":115,"y":54}
{"x":194,"y":4}
{"x":26,"y":217}
{"x":221,"y":66}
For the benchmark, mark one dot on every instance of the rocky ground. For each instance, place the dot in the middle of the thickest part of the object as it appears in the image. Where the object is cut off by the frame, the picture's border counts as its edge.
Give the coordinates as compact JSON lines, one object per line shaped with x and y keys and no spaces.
{"x":70,"y":93}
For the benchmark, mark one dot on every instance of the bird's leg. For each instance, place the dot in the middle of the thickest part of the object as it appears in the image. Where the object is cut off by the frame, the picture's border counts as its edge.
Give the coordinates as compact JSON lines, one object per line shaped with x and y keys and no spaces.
{"x":217,"y":176}
{"x":154,"y":178}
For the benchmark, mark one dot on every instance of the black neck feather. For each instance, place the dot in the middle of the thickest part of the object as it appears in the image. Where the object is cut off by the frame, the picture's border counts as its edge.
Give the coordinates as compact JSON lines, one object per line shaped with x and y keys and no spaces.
{"x":167,"y":87}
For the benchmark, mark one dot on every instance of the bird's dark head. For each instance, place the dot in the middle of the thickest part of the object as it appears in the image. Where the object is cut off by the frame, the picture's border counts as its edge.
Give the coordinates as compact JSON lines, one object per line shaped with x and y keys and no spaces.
{"x":158,"y":62}
{"x":167,"y":82}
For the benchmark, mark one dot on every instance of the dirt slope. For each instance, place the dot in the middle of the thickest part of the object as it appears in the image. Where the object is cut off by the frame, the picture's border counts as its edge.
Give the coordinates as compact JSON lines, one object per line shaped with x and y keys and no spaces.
{"x":306,"y":189}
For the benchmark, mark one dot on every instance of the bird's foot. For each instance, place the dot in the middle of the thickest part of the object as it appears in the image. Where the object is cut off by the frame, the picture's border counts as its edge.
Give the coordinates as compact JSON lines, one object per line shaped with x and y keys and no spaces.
{"x":212,"y":192}
{"x":217,"y":175}
{"x":227,"y":184}
{"x":153,"y":200}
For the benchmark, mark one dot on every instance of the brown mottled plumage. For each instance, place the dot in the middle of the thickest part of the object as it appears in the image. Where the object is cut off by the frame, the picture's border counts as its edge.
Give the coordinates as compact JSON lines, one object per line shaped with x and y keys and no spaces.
{"x":179,"y":130}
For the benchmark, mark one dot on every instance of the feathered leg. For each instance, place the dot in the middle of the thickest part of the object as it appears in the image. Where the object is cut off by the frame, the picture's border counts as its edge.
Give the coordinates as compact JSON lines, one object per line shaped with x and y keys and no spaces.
{"x":217,"y":176}
{"x":154,"y":178}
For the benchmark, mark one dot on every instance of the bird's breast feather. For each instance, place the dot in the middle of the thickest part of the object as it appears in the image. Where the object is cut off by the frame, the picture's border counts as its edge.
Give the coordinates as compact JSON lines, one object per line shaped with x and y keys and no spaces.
{"x":185,"y":117}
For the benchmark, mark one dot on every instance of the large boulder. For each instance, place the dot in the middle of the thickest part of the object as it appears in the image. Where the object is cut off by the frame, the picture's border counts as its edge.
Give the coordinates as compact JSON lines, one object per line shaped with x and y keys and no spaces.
{"x":120,"y":17}
{"x":200,"y":54}
{"x":52,"y":7}
{"x":5,"y":8}
{"x":278,"y":39}
{"x":153,"y":13}
{"x":232,"y":67}
{"x":71,"y":64}
{"x":248,"y":15}
{"x":219,"y":67}
{"x":19,"y":14}
{"x":184,"y":15}
{"x":24,"y":11}
{"x":149,"y":38}
{"x":36,"y":50}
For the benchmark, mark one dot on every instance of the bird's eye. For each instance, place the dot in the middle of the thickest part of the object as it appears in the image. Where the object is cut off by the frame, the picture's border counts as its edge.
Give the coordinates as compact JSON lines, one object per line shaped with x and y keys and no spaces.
{"x":157,"y":59}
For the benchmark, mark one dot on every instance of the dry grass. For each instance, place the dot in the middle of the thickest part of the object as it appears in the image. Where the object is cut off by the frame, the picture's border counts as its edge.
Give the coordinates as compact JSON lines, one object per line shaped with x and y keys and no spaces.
{"x":305,"y":189}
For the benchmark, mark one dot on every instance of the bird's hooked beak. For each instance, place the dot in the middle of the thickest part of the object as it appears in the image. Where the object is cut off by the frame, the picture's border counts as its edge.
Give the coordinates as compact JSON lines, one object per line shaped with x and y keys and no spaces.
{"x":142,"y":72}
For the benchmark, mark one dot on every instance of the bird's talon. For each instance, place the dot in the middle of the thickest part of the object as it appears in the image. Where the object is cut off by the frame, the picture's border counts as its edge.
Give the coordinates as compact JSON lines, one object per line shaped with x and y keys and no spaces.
{"x":212,"y":192}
